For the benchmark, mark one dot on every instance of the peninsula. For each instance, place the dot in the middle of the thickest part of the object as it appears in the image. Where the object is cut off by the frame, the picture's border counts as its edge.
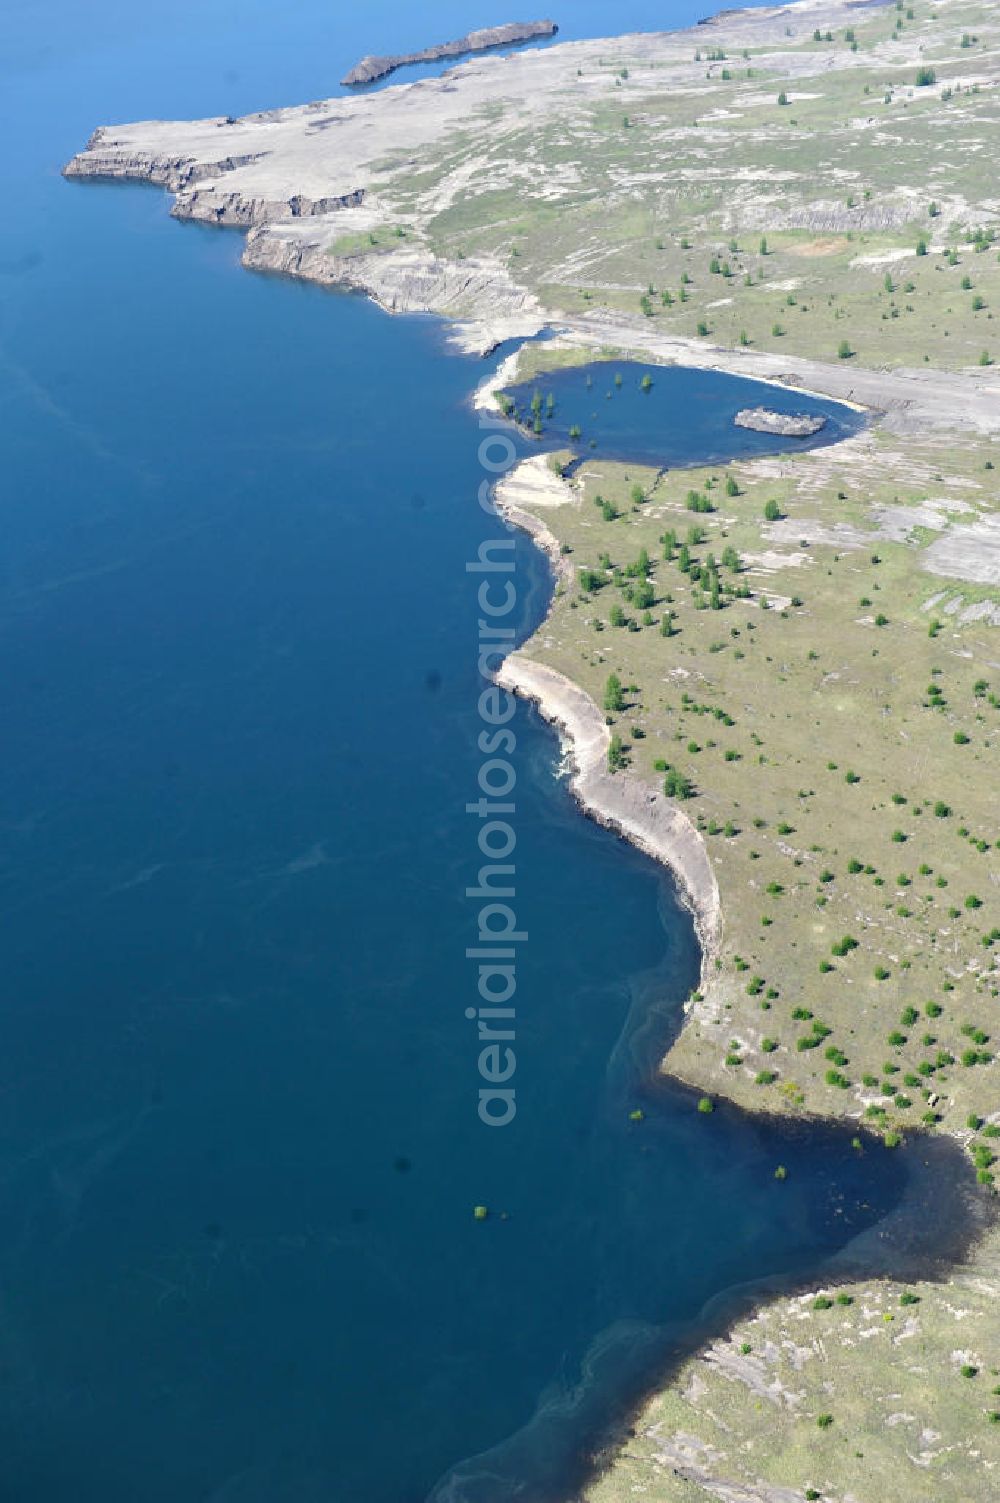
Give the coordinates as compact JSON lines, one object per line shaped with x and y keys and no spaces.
{"x":793,"y":661}
{"x":512,"y":34}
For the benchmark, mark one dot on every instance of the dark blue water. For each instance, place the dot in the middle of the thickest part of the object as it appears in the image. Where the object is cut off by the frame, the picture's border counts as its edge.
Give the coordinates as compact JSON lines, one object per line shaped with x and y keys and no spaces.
{"x":604,"y":409}
{"x":239,"y":1145}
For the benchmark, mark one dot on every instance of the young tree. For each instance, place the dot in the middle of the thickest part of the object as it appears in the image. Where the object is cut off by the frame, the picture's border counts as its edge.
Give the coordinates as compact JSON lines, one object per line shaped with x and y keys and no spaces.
{"x":676,"y":785}
{"x":614,"y":694}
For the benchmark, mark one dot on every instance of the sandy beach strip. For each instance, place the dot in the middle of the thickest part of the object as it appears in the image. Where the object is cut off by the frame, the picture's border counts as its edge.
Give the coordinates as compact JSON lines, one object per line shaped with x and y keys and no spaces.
{"x":647,"y":818}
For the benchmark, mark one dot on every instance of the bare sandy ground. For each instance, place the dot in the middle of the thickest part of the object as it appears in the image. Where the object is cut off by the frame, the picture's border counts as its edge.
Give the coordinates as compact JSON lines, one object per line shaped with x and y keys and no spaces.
{"x":302,"y":180}
{"x":531,"y":485}
{"x":648,"y":819}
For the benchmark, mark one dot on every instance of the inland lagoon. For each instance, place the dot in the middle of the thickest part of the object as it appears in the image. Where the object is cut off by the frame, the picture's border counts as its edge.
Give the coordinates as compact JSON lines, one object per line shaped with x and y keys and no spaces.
{"x":240,"y":1148}
{"x":663,"y":415}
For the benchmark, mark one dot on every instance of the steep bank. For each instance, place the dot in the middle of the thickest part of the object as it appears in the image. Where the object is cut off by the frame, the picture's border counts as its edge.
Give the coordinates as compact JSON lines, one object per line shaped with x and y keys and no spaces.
{"x":396,"y":194}
{"x":647,"y":819}
{"x":435,"y":220}
{"x":872,"y":1383}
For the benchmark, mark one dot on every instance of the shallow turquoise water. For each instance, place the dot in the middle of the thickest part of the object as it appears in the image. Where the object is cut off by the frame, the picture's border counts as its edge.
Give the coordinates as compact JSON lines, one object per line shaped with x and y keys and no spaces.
{"x":239,"y":1147}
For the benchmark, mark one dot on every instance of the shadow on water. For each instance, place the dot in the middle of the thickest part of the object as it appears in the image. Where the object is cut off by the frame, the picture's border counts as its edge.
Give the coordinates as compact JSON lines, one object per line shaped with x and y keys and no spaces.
{"x":240,"y":1148}
{"x":906,"y":1214}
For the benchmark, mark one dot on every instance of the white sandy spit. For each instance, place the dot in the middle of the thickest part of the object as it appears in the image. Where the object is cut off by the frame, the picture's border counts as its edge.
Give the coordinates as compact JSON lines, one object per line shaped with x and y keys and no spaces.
{"x":647,"y":818}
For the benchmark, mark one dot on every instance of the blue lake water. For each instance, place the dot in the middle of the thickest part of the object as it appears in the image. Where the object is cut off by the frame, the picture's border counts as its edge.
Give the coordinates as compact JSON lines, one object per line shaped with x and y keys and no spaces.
{"x":239,"y":1147}
{"x":604,"y":409}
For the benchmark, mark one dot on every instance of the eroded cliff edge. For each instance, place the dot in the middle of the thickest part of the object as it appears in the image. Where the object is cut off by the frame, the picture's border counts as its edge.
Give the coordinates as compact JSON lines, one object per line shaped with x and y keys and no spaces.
{"x":399,"y":194}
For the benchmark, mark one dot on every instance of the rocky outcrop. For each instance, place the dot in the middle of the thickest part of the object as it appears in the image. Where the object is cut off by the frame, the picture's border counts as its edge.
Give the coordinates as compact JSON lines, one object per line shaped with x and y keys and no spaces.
{"x":106,"y":157}
{"x":109,"y":158}
{"x":786,"y":424}
{"x":214,"y":207}
{"x":372,"y":68}
{"x":478,"y":296}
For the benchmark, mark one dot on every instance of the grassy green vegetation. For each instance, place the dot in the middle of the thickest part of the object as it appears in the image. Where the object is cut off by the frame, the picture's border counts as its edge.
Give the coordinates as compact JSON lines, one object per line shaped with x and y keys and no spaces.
{"x":815,"y":645}
{"x":834,"y":733}
{"x":827,"y":709}
{"x":871,"y":1394}
{"x":883,"y":254}
{"x":367,"y":242}
{"x":816,"y":666}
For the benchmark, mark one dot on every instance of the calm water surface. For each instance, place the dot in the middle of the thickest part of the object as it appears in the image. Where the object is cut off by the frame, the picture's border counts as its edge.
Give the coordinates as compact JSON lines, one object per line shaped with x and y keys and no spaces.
{"x":239,"y":1147}
{"x":605,"y":409}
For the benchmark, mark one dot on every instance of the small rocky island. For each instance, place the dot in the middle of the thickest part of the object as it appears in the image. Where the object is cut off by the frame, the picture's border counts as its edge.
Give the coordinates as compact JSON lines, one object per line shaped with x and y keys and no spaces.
{"x":787,"y":424}
{"x":372,"y":68}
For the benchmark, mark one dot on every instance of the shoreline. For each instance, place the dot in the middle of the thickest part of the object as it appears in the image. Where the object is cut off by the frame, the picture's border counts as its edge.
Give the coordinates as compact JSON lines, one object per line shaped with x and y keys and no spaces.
{"x":306,"y":210}
{"x":644,"y":817}
{"x":534,"y":483}
{"x":909,"y":401}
